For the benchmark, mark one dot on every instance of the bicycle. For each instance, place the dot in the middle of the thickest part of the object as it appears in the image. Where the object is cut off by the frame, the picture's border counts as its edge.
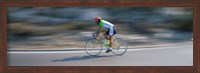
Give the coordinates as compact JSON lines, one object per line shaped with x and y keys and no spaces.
{"x":93,"y":46}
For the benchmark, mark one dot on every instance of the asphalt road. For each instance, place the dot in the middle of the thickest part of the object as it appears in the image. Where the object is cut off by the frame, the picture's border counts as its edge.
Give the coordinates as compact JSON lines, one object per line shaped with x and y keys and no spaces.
{"x":174,"y":55}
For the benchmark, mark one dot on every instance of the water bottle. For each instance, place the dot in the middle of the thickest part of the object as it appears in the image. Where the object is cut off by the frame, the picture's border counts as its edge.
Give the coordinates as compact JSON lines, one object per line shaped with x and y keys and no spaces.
{"x":102,"y":39}
{"x":105,"y":43}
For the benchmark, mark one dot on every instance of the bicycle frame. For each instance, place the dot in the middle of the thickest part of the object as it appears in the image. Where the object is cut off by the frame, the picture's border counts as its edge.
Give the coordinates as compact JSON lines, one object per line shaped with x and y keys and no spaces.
{"x":113,"y":45}
{"x":119,"y":46}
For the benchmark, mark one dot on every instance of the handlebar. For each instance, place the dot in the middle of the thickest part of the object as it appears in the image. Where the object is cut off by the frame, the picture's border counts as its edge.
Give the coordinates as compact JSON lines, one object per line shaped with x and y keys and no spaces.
{"x":94,"y":35}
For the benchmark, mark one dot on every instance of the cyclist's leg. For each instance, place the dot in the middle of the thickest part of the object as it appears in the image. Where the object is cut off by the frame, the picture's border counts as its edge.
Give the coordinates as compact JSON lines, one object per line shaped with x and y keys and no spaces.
{"x":106,"y":34}
{"x":109,"y":49}
{"x":111,"y":33}
{"x":108,"y":37}
{"x":110,"y":40}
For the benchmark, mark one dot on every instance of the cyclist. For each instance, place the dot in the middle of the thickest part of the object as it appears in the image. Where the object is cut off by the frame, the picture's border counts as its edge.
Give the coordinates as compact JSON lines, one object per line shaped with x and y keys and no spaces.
{"x":109,"y":33}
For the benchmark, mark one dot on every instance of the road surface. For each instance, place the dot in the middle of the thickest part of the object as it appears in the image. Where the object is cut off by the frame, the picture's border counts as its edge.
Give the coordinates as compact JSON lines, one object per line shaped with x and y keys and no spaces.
{"x":174,"y":55}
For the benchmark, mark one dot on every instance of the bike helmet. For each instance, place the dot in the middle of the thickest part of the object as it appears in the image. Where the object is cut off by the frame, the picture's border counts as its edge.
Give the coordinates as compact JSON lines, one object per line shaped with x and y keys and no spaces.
{"x":97,"y":18}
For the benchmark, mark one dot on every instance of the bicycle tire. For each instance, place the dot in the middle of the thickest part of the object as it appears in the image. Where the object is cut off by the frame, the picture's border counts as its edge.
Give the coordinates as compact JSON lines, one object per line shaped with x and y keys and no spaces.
{"x":93,"y":49}
{"x":122,"y":48}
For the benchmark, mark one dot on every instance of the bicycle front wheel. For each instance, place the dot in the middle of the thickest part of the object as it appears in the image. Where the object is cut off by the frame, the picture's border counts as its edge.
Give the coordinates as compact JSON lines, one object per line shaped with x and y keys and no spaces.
{"x":93,"y":47}
{"x":119,"y":46}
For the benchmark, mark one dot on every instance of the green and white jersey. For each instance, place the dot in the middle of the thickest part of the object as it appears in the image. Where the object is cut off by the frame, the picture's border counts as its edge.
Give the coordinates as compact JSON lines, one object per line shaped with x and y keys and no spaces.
{"x":106,"y":24}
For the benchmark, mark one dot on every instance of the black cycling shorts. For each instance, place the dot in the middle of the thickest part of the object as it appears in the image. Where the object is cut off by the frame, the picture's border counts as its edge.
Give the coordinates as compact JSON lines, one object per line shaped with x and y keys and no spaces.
{"x":113,"y":33}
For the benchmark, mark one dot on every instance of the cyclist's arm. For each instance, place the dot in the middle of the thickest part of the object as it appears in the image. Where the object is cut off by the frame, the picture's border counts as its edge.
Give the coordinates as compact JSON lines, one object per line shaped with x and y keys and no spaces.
{"x":99,"y":30}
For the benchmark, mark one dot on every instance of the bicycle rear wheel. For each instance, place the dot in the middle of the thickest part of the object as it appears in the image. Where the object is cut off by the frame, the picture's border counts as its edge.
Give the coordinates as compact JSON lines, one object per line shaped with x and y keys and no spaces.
{"x":93,"y":47}
{"x":119,"y":46}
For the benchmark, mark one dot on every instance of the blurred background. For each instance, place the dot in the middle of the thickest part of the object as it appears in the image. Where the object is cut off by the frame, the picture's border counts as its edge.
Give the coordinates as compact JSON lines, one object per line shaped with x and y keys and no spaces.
{"x":70,"y":27}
